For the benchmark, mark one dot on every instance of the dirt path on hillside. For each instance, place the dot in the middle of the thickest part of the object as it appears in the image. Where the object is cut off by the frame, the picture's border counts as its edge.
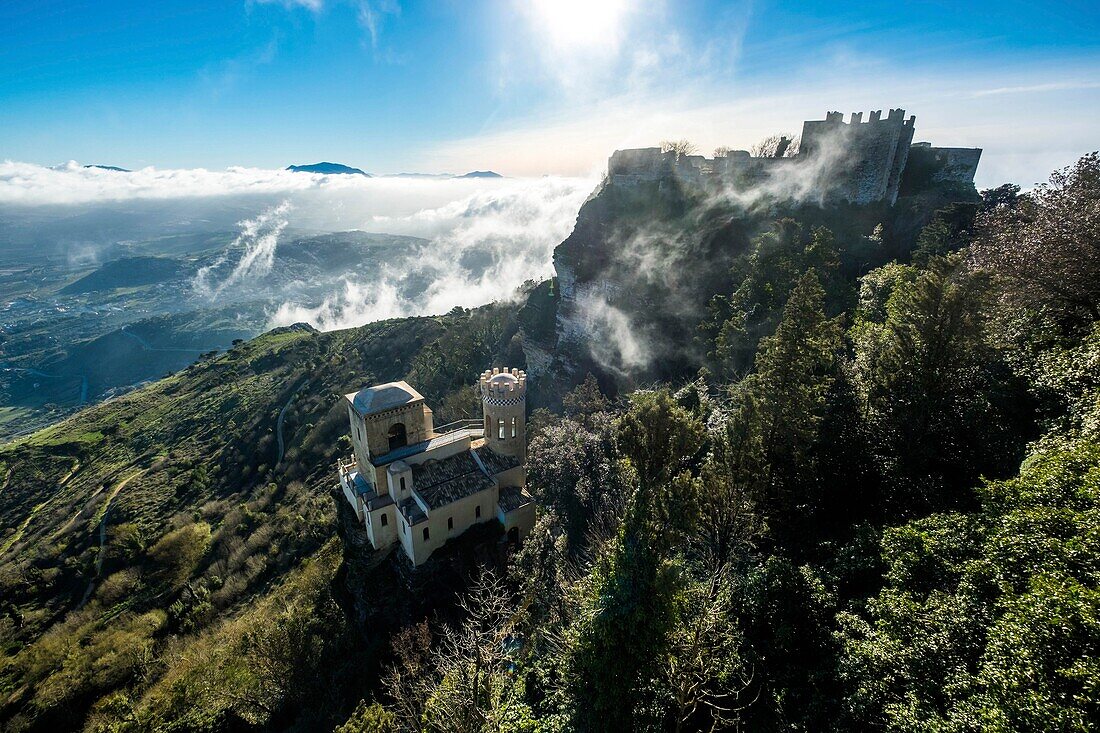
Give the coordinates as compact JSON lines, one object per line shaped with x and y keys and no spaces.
{"x":103,"y":535}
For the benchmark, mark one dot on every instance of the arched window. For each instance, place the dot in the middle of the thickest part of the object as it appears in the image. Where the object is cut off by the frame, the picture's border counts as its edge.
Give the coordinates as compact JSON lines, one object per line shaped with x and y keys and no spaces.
{"x":513,"y":427}
{"x":500,"y":428}
{"x":397,"y":436}
{"x":402,"y":483}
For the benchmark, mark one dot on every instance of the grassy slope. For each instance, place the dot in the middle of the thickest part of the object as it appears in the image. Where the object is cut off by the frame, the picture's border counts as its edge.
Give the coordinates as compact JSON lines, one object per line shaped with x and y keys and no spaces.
{"x":201,"y":527}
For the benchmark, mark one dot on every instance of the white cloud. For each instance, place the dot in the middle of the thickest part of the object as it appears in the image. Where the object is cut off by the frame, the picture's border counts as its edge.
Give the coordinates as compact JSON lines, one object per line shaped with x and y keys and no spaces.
{"x":1035,"y":88}
{"x":488,"y":236}
{"x":371,"y":15}
{"x":483,"y":247}
{"x":32,"y":184}
{"x":259,"y":237}
{"x":312,"y":5}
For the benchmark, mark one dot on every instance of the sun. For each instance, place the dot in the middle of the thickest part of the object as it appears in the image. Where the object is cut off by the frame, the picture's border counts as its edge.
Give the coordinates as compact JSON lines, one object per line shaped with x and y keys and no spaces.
{"x":580,"y":23}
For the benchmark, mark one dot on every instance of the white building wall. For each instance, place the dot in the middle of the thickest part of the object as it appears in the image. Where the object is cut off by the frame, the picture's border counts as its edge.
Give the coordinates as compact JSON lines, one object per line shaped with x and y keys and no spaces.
{"x":522,"y":518}
{"x":464,"y":514}
{"x":382,"y":536}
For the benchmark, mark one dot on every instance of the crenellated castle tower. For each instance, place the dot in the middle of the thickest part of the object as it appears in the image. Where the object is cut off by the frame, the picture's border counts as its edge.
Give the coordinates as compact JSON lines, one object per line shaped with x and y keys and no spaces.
{"x":504,"y":407}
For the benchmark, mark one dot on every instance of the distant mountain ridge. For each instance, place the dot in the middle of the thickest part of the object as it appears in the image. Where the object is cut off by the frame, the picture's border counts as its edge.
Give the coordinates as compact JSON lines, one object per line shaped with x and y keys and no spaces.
{"x":328,"y":169}
{"x":109,"y":168}
{"x":127,"y":272}
{"x":471,"y":174}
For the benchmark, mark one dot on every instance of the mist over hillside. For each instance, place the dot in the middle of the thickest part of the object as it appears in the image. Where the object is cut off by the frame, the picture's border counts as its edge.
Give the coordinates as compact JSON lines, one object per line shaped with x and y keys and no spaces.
{"x":110,"y":278}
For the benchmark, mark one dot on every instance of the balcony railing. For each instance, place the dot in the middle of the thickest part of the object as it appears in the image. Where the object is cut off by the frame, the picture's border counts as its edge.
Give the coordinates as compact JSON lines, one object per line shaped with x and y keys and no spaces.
{"x":459,"y":425}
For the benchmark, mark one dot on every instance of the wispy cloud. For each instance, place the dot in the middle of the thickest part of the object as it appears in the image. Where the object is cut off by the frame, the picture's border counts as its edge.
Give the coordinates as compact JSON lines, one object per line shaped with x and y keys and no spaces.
{"x":1039,"y":88}
{"x":312,"y":5}
{"x":258,"y":239}
{"x":222,"y":78}
{"x":372,"y":15}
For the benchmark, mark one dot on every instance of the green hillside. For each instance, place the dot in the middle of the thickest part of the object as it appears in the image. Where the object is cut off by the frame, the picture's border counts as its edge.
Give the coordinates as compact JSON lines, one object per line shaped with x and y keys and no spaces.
{"x":161,"y":520}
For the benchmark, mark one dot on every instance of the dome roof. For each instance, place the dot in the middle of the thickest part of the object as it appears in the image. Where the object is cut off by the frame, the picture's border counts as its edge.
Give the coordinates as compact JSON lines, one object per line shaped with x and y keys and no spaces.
{"x":383,"y":397}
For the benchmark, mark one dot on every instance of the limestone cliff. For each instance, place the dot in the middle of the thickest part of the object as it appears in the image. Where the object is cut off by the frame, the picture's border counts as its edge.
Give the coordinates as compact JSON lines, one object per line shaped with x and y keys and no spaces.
{"x":656,"y":240}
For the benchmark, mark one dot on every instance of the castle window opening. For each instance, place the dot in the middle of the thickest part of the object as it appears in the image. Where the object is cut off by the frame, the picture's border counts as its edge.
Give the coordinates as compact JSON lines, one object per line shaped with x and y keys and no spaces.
{"x":450,"y":522}
{"x":513,"y":427}
{"x":477,"y":512}
{"x":384,"y":520}
{"x":368,"y":517}
{"x":398,"y":436}
{"x":402,"y":483}
{"x":500,"y":428}
{"x":425,"y":534}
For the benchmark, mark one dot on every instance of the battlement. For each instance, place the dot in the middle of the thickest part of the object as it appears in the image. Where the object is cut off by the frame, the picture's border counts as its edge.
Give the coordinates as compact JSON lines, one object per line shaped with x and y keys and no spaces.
{"x":503,"y":386}
{"x":874,"y":116}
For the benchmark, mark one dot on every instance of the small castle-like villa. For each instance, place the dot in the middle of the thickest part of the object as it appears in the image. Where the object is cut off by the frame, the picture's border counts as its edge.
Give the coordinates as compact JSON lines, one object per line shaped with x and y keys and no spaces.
{"x":412,"y":483}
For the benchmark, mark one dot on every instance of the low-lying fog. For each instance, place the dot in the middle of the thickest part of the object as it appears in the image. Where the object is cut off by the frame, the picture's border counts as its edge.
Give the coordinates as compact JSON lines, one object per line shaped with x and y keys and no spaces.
{"x":485,"y":236}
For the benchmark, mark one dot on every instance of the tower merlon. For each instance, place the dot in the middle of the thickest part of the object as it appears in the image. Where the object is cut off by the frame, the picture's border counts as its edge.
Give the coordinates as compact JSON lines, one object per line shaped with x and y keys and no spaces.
{"x":503,"y":385}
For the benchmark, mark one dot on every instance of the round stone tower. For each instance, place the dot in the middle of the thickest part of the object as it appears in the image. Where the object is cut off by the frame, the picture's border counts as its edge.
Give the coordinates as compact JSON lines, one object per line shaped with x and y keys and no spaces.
{"x":504,"y":404}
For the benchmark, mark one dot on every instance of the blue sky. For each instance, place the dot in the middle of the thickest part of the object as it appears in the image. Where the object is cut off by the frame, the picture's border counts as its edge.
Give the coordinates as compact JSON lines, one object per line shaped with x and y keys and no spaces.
{"x":532,"y":87}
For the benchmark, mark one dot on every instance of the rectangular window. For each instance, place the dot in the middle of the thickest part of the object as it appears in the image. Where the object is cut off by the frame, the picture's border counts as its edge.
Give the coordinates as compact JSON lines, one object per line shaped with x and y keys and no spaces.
{"x":402,"y":483}
{"x":450,"y":522}
{"x":500,"y":428}
{"x":513,"y":427}
{"x":383,"y":520}
{"x":477,"y":512}
{"x":425,"y":534}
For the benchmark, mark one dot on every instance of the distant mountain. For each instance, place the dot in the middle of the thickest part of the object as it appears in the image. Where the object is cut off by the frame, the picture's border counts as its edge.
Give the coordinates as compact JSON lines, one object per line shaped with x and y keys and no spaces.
{"x":128,"y":272}
{"x":481,"y":174}
{"x":110,"y":168}
{"x":328,"y":168}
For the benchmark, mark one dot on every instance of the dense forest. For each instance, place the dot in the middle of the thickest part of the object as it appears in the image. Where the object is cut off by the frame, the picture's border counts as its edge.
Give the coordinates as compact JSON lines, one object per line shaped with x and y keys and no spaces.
{"x":873,"y":504}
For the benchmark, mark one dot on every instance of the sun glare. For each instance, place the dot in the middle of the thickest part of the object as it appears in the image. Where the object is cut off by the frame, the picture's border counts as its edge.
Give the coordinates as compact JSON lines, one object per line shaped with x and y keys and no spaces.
{"x":580,"y":23}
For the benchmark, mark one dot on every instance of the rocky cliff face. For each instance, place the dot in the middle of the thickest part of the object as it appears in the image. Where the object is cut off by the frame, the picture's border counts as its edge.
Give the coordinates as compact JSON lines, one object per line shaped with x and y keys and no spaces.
{"x":648,"y":254}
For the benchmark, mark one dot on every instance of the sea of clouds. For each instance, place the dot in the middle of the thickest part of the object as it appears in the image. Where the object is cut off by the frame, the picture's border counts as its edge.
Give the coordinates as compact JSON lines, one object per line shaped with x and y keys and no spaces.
{"x":487,"y":236}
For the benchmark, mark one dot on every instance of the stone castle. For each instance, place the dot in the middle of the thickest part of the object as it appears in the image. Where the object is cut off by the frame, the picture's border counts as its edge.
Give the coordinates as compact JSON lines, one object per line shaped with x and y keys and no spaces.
{"x":416,"y":485}
{"x":860,"y":162}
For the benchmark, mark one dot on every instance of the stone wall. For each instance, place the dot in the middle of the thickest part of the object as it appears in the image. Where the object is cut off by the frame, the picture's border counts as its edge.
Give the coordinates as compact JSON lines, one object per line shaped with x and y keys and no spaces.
{"x":955,"y":165}
{"x":868,"y":157}
{"x":858,"y":161}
